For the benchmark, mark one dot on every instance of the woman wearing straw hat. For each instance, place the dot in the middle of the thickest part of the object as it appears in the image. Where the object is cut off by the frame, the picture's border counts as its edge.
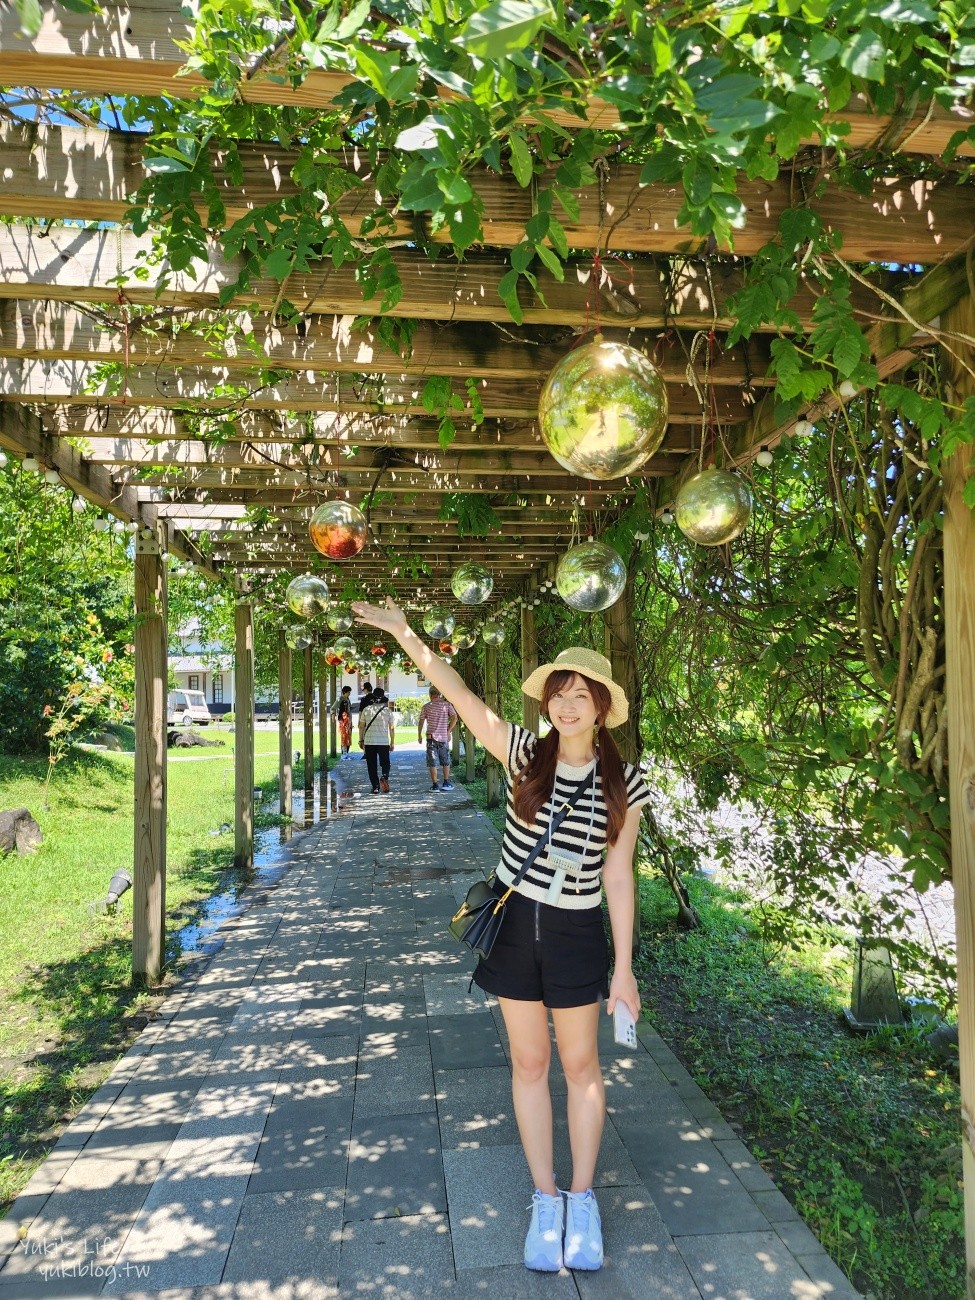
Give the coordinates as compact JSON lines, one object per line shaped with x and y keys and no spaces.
{"x":551,"y":954}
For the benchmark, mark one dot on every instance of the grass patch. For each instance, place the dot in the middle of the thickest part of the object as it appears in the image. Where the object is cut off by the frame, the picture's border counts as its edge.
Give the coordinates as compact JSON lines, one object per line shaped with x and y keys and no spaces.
{"x":69,"y":1009}
{"x":861,"y":1134}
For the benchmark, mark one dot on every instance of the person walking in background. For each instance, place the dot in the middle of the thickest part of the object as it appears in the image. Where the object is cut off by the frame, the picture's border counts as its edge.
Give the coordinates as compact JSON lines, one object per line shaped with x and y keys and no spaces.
{"x":551,"y":956}
{"x":343,"y":712}
{"x":440,"y":719}
{"x":364,"y":699}
{"x":377,"y":736}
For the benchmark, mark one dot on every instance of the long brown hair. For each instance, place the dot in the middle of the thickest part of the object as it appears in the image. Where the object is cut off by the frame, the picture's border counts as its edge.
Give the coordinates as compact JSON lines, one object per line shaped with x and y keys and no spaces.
{"x":533,"y":783}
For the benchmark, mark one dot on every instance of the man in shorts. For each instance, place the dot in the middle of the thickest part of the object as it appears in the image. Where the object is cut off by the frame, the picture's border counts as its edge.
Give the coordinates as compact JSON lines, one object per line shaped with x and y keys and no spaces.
{"x":440,"y":720}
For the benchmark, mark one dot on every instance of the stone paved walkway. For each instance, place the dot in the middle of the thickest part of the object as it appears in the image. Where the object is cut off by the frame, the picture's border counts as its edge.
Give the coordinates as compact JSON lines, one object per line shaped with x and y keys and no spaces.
{"x":326,"y":1111}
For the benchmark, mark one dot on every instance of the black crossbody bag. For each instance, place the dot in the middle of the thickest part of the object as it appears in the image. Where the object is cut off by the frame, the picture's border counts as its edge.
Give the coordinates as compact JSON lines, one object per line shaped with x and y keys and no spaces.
{"x":478,"y":919}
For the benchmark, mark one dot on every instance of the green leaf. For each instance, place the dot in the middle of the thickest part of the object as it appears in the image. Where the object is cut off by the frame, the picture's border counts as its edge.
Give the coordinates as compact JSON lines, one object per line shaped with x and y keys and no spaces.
{"x":508,"y":293}
{"x":30,"y":16}
{"x":903,"y":11}
{"x":503,"y":27}
{"x":353,"y":21}
{"x":161,"y":165}
{"x":550,"y":260}
{"x":661,"y":49}
{"x":455,"y":189}
{"x":465,"y":226}
{"x":864,"y":56}
{"x":729,"y":208}
{"x":424,"y":135}
{"x":521,"y":160}
{"x":279,"y":265}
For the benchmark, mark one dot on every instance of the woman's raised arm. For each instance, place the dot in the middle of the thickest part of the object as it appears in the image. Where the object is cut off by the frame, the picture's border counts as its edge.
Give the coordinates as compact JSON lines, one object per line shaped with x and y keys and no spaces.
{"x":487,"y":727}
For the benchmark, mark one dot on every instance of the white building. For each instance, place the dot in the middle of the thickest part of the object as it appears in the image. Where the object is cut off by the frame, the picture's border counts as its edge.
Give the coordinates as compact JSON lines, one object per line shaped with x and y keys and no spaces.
{"x":197,"y":667}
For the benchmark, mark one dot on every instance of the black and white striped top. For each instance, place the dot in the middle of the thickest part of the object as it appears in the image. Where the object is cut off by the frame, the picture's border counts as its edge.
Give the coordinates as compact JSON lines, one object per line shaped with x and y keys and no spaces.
{"x":583,"y":890}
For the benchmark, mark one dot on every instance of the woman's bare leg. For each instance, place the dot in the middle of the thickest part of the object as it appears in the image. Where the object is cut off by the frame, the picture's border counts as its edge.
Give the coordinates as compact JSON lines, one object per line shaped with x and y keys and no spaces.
{"x":575,"y":1034}
{"x":531,"y":1051}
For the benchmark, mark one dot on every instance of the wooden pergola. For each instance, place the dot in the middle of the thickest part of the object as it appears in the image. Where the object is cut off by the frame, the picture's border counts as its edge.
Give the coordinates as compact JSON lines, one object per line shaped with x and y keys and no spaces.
{"x":322,"y":406}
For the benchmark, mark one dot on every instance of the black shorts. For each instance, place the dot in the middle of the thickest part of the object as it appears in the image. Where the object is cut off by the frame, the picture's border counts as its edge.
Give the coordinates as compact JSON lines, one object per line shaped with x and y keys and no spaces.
{"x":547,"y":954}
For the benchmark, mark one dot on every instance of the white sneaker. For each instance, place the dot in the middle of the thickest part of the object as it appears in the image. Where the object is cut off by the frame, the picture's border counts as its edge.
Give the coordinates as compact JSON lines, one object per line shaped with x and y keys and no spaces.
{"x":543,"y":1245}
{"x":583,"y":1231}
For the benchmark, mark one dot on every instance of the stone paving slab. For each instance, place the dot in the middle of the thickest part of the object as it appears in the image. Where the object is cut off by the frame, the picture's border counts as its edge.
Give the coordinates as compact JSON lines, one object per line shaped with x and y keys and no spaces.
{"x":325,"y":1111}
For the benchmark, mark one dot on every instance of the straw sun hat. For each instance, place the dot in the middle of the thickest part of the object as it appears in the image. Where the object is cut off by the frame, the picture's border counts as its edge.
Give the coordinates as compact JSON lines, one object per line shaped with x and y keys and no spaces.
{"x":591,"y":664}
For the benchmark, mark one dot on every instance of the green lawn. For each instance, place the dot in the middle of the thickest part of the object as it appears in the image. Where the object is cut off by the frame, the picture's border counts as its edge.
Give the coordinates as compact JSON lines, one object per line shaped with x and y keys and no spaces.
{"x":68,"y":1007}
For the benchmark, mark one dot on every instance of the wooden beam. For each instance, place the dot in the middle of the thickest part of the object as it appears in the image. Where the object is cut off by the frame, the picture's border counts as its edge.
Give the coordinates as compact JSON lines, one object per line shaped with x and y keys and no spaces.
{"x":94,"y":266}
{"x":244,"y":735}
{"x":134,"y":50}
{"x":39,"y":329}
{"x":277,"y":461}
{"x":959,"y":614}
{"x":396,"y":483}
{"x":149,"y":782}
{"x":22,"y":433}
{"x":91,"y":175}
{"x":70,"y":382}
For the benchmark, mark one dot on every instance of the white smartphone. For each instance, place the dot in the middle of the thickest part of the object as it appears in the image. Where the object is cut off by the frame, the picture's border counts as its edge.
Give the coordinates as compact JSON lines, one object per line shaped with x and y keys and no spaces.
{"x":624,"y":1026}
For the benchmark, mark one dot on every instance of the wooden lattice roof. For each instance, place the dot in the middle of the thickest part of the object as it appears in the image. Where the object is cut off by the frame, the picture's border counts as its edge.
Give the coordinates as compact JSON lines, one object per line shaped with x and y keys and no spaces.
{"x":318,"y":404}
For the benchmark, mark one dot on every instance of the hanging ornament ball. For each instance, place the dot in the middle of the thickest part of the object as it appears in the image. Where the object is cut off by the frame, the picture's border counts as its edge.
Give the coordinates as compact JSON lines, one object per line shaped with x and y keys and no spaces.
{"x":447,"y":648}
{"x":492,"y":633}
{"x":590,"y":577}
{"x":351,"y":668}
{"x":332,"y":657}
{"x":438,"y":623}
{"x":307,"y":596}
{"x":338,"y":529}
{"x":298,"y":639}
{"x":603,"y":410}
{"x":346,"y":647}
{"x":340,"y":618}
{"x":764,"y":458}
{"x":472,"y":584}
{"x":463,"y":638}
{"x":378,"y":650}
{"x":713,"y":507}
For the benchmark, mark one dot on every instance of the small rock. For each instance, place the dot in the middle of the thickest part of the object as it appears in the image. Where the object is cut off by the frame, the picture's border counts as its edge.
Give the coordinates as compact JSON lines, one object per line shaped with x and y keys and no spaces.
{"x":19,"y":831}
{"x":944,"y":1041}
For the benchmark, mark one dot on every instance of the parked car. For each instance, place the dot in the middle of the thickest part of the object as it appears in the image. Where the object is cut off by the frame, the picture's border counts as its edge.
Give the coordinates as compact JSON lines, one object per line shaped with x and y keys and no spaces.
{"x":186,"y":707}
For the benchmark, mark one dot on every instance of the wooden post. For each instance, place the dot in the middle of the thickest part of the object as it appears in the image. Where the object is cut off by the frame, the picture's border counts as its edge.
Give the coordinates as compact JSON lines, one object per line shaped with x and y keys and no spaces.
{"x":244,"y":734}
{"x":333,"y":727}
{"x":322,"y":714}
{"x":620,"y":646}
{"x":308,"y":694}
{"x":959,"y":562}
{"x":285,"y":774}
{"x":529,"y":662}
{"x":469,"y":764}
{"x":493,"y":700}
{"x":151,"y":681}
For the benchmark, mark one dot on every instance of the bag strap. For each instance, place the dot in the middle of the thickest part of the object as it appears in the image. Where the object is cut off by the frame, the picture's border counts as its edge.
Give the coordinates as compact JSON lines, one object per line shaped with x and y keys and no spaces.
{"x":555,"y":822}
{"x":367,"y":725}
